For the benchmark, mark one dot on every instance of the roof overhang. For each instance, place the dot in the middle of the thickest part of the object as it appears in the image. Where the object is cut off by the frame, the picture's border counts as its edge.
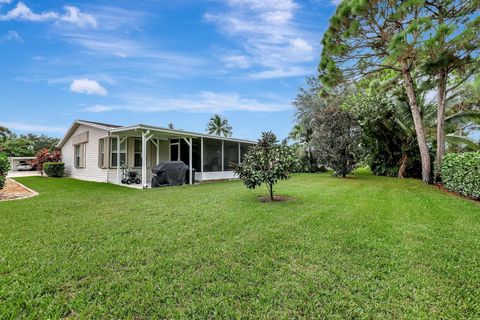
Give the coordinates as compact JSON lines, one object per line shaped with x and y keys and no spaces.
{"x":137,"y":130}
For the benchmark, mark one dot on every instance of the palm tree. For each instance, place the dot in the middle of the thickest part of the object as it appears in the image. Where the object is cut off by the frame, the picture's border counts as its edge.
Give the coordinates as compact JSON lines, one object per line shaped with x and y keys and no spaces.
{"x":219,"y":126}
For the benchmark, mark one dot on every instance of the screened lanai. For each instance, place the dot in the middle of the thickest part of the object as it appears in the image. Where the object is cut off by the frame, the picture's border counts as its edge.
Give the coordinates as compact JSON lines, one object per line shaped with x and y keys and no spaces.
{"x":208,"y":156}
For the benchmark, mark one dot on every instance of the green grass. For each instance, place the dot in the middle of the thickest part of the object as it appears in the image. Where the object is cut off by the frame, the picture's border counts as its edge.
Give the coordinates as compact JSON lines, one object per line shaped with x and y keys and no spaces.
{"x":368,"y":247}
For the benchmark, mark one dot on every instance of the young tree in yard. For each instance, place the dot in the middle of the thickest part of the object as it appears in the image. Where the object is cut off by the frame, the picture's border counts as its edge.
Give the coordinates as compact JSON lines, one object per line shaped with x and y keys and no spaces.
{"x":219,"y":126}
{"x":266,"y":163}
{"x":452,"y":44}
{"x":337,"y":140}
{"x":368,"y":37}
{"x":45,"y":156}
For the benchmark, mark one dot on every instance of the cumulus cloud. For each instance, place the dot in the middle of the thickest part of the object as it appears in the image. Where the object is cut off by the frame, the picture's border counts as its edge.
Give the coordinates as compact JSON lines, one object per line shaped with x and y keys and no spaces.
{"x":205,"y":101}
{"x":87,"y":86}
{"x":72,"y":15}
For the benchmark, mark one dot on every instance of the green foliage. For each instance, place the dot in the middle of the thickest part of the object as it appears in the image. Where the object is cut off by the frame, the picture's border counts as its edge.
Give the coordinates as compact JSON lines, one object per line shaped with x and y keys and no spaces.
{"x":25,"y":145}
{"x":266,"y":163}
{"x":336,"y":140}
{"x":460,"y":173}
{"x":219,"y":126}
{"x":54,"y":169}
{"x":4,"y":167}
{"x":15,"y":146}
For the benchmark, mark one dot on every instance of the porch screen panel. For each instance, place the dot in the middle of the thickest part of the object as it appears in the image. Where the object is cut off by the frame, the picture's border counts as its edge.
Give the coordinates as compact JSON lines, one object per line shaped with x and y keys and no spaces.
{"x":244,"y":149}
{"x":184,"y":153}
{"x":230,"y":154}
{"x":212,"y":155}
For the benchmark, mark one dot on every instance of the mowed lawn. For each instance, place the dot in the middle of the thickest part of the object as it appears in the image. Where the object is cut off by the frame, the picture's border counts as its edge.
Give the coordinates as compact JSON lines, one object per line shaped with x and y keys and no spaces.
{"x":367,"y":247}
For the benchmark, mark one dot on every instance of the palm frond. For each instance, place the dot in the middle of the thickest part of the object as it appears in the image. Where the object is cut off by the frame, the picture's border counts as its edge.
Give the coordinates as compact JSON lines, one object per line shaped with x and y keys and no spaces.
{"x":461,"y":140}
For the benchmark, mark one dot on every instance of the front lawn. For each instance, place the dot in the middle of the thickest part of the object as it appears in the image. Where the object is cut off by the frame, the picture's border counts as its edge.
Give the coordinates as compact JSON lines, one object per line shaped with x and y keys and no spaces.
{"x":368,"y":247}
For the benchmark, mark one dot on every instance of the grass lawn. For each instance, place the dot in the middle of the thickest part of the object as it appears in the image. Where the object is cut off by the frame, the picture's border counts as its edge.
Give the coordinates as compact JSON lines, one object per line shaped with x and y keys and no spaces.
{"x":368,"y":247}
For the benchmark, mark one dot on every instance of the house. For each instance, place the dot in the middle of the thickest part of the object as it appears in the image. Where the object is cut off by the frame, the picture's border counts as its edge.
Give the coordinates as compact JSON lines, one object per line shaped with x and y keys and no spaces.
{"x":93,"y":150}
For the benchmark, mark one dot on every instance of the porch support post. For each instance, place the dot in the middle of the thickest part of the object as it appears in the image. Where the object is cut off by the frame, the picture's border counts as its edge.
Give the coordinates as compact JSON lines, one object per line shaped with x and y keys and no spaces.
{"x":201,"y":155}
{"x":145,"y":137}
{"x":190,"y":178}
{"x":158,"y":151}
{"x":118,"y":159}
{"x":239,"y":154}
{"x":189,"y":142}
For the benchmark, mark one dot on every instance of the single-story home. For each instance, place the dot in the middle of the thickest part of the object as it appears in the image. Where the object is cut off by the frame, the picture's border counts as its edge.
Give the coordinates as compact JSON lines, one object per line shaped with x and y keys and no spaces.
{"x":93,"y":150}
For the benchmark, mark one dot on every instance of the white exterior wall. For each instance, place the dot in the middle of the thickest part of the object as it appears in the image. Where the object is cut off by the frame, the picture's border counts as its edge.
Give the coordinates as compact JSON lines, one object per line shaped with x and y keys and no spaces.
{"x":91,"y":171}
{"x":215,"y":175}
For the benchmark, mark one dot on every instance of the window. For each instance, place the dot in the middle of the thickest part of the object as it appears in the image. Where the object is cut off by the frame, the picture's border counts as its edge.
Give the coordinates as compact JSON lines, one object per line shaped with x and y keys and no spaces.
{"x":137,"y":149}
{"x":79,"y":155}
{"x":212,"y":155}
{"x":230,"y":154}
{"x":113,"y":152}
{"x":101,"y":153}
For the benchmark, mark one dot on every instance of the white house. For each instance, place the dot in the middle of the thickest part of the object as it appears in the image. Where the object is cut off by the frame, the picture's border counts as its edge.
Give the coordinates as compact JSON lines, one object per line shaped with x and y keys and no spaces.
{"x":93,"y":150}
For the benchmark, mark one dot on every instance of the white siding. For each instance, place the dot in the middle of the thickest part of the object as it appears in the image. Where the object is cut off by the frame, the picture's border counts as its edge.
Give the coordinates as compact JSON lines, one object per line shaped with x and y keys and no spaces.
{"x":91,"y":171}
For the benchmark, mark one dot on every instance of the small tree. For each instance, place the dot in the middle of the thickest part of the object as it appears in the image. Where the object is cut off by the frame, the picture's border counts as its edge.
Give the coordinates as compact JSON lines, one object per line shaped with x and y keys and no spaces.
{"x":4,"y":167}
{"x":267,"y":162}
{"x":336,"y":140}
{"x":45,"y":156}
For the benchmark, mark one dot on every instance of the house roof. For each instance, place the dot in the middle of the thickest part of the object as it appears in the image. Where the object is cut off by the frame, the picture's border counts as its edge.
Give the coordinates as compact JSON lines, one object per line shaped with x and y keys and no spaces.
{"x":142,"y":127}
{"x":179,"y":133}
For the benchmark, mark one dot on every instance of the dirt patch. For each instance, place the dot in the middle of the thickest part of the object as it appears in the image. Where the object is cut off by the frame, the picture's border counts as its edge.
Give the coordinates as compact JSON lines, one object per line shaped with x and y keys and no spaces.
{"x":14,"y":190}
{"x":275,"y":198}
{"x":456,"y":194}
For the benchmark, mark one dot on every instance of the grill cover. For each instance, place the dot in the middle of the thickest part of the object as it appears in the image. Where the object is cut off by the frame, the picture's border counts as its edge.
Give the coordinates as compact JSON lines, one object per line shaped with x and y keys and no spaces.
{"x":169,"y":173}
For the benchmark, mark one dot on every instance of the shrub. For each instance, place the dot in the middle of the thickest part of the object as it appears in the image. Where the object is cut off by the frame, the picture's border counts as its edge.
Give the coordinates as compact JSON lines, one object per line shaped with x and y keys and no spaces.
{"x":266,"y":163}
{"x":54,"y":169}
{"x":460,"y":172}
{"x":45,"y":156}
{"x":336,"y":140}
{"x":4,"y":167}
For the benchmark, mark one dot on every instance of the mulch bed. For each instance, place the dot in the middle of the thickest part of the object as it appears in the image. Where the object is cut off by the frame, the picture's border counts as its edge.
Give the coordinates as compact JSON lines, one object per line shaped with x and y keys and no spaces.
{"x":275,"y":198}
{"x":456,"y":194}
{"x":14,"y":190}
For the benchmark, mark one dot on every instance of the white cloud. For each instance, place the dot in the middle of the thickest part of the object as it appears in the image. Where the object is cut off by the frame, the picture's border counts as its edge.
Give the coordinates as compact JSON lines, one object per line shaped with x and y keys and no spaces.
{"x":267,"y":33}
{"x":336,"y":2}
{"x":301,"y":45}
{"x":30,"y":127}
{"x":88,"y":87}
{"x":236,"y":61}
{"x":280,"y":73}
{"x":11,"y":36}
{"x":205,"y":101}
{"x":72,"y":15}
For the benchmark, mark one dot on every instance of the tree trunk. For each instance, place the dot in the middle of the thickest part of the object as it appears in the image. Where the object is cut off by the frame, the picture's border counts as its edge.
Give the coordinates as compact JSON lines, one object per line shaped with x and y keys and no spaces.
{"x":442,"y":95}
{"x":403,"y":166}
{"x":417,"y":120}
{"x":270,"y":187}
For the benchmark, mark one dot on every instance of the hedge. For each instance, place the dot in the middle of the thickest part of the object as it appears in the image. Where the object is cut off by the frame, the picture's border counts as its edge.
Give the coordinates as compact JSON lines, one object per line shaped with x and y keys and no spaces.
{"x":4,"y":167}
{"x":54,"y":169}
{"x":460,"y":172}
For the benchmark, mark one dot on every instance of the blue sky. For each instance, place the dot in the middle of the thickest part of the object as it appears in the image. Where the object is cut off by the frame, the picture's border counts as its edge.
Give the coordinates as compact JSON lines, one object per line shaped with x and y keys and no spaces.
{"x":156,"y":62}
